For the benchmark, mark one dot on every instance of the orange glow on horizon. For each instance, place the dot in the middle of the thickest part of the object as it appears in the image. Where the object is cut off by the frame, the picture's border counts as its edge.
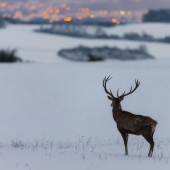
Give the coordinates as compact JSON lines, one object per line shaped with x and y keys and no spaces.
{"x":41,"y":5}
{"x":67,"y":19}
{"x":105,"y":12}
{"x":100,"y":12}
{"x":68,"y":8}
{"x":129,"y":12}
{"x":56,"y":18}
{"x":3,"y":4}
{"x":122,"y":12}
{"x":63,"y":5}
{"x":18,"y":15}
{"x":11,"y":9}
{"x":92,"y":16}
{"x":45,"y":15}
{"x":9,"y":16}
{"x":79,"y":17}
{"x":27,"y":11}
{"x":85,"y":9}
{"x":57,"y":11}
{"x":32,"y":8}
{"x":114,"y":20}
{"x":51,"y":11}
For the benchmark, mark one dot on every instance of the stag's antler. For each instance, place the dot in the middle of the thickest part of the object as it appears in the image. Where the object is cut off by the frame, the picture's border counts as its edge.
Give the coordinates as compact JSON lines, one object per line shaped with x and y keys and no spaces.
{"x":131,"y":91}
{"x":104,"y":85}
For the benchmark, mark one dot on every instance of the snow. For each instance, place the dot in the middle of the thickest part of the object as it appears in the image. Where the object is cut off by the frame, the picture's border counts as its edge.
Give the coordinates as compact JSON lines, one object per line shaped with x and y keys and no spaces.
{"x":56,"y":114}
{"x":33,"y":46}
{"x":157,"y":30}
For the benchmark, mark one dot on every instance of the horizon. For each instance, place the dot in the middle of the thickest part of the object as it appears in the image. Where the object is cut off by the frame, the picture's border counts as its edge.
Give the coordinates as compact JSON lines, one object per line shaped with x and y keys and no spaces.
{"x":56,"y":11}
{"x":132,"y":5}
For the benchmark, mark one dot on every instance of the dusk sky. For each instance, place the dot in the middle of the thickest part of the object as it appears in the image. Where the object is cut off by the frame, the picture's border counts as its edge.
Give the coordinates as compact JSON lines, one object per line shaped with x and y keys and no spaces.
{"x":136,"y":5}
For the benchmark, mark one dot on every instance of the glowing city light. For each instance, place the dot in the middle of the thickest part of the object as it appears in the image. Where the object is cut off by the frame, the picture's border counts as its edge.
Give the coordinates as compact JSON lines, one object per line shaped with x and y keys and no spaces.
{"x":92,"y":16}
{"x":100,"y":12}
{"x":63,"y":5}
{"x":46,"y":11}
{"x":51,"y":11}
{"x":122,"y":12}
{"x":45,"y":15}
{"x":41,"y":5}
{"x":67,"y":19}
{"x":18,"y":15}
{"x":129,"y":12}
{"x":11,"y":9}
{"x":3,"y":4}
{"x":32,"y":8}
{"x":9,"y":16}
{"x":26,"y":6}
{"x":57,"y":11}
{"x":114,"y":20}
{"x":79,"y":17}
{"x":105,"y":12}
{"x":85,"y":9}
{"x":56,"y":18}
{"x":68,"y":8}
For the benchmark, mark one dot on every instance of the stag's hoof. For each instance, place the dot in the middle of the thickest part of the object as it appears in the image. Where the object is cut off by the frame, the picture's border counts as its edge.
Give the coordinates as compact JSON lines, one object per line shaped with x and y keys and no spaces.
{"x":126,"y":153}
{"x":150,"y":154}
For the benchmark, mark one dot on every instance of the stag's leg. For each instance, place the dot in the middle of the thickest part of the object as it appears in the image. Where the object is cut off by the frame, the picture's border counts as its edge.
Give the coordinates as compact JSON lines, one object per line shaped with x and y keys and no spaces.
{"x":125,"y":138}
{"x":148,"y":135}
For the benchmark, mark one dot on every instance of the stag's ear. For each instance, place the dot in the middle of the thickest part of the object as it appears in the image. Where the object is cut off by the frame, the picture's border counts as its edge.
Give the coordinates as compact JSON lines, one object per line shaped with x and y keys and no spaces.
{"x":121,"y":98}
{"x":110,"y":98}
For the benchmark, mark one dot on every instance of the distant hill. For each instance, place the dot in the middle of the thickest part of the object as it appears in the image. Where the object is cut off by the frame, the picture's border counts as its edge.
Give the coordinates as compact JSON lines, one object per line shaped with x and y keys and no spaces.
{"x":1,"y":22}
{"x":162,"y":15}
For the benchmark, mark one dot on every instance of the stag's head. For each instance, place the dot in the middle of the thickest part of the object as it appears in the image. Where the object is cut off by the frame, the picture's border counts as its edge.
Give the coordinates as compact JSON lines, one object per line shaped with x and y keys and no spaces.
{"x":116,"y":100}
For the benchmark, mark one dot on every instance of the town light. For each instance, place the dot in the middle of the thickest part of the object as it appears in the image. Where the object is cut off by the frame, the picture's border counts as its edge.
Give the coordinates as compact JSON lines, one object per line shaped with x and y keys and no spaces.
{"x":67,"y":19}
{"x":68,"y":8}
{"x":57,"y":11}
{"x":129,"y":12}
{"x":92,"y":16}
{"x":114,"y":20}
{"x":63,"y":5}
{"x":51,"y":11}
{"x":122,"y":12}
{"x":79,"y":17}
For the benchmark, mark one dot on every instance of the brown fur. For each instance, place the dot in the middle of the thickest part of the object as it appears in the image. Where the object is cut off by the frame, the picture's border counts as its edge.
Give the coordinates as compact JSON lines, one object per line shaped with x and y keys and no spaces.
{"x":128,"y":123}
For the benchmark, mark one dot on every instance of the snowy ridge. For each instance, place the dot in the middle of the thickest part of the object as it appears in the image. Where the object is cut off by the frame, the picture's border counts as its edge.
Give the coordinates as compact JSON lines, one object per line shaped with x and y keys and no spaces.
{"x":82,"y":53}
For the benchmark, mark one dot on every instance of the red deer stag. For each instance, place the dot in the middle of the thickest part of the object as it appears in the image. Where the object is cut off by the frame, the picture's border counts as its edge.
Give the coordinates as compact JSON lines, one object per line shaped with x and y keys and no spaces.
{"x":128,"y":123}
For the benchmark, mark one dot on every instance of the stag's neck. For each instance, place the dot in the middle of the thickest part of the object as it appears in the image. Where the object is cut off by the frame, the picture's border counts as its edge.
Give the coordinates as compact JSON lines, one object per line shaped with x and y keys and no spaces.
{"x":117,"y":110}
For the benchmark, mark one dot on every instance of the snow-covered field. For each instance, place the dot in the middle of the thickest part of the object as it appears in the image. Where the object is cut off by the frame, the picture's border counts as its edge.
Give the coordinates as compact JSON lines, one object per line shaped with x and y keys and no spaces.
{"x":56,"y":115}
{"x":157,"y":30}
{"x":44,"y":47}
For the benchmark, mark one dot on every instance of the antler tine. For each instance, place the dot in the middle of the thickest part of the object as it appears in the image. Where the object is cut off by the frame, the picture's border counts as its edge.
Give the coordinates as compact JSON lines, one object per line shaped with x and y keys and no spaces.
{"x":104,"y":85}
{"x":131,"y":88}
{"x":117,"y":93}
{"x":131,"y":91}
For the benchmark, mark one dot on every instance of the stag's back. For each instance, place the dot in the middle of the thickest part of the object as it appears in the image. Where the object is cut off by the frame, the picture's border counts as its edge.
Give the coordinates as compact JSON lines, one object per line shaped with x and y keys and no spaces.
{"x":133,"y":123}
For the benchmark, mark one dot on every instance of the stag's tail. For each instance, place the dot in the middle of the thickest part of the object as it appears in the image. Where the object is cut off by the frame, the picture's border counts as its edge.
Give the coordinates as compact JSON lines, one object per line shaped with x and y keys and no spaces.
{"x":152,"y":123}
